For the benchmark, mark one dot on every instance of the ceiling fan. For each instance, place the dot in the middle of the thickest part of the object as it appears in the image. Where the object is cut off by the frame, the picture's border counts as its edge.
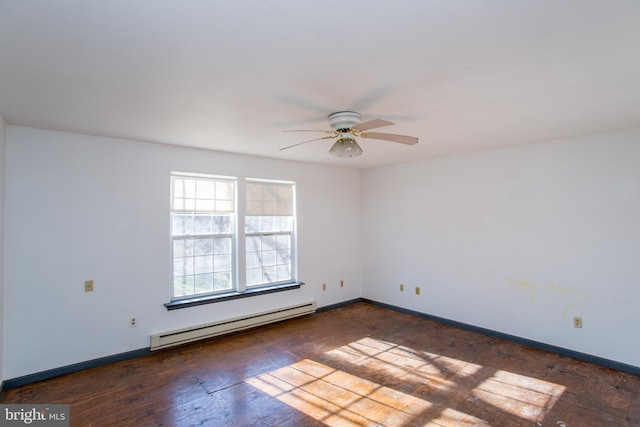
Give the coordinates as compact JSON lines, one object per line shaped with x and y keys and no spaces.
{"x":346,"y":127}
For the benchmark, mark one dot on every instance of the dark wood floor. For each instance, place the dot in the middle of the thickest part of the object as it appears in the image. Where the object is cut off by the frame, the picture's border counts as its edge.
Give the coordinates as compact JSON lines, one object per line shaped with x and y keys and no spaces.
{"x":356,"y":365}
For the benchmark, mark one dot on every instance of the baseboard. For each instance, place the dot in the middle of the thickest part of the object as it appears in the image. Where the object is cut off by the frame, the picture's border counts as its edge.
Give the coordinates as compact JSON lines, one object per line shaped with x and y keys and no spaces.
{"x":623,"y":367}
{"x":338,"y":305}
{"x":56,"y":372}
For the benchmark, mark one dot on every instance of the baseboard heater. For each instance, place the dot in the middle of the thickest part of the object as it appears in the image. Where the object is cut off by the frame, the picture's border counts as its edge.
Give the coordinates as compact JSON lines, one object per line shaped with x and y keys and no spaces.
{"x":186,"y":335}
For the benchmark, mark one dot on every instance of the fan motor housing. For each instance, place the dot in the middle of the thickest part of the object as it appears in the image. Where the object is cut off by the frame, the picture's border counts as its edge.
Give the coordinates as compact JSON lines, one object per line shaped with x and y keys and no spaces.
{"x":344,"y":119}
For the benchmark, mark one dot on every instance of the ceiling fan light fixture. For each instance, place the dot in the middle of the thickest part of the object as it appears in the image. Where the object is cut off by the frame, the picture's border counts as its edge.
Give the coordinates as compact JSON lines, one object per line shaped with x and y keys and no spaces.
{"x":347,"y":126}
{"x":346,"y":147}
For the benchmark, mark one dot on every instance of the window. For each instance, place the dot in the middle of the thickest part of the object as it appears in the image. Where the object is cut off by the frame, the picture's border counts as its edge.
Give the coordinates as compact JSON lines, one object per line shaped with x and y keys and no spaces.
{"x":206,"y":231}
{"x":269,"y":232}
{"x":202,"y":234}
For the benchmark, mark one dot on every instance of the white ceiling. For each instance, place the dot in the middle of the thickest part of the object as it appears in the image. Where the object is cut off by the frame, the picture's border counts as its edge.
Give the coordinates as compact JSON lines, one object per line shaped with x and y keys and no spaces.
{"x":462,"y":75}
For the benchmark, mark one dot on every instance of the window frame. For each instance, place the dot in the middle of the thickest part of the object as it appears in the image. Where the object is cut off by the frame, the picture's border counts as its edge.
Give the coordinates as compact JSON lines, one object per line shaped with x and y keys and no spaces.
{"x":239,"y":288}
{"x":292,"y":233}
{"x":232,"y":234}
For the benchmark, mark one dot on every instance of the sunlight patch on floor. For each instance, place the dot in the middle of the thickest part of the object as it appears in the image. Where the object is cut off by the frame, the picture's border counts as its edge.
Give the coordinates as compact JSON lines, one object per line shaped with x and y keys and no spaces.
{"x":525,"y":397}
{"x":339,"y":397}
{"x":436,"y":371}
{"x":335,"y":397}
{"x":452,"y":418}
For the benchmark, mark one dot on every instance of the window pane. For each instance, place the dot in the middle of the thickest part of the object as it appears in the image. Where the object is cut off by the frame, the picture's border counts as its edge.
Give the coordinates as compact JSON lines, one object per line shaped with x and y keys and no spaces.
{"x":268,"y":258}
{"x":225,"y":191}
{"x":181,"y":224}
{"x":284,"y":223}
{"x":182,"y":266}
{"x":253,"y":243}
{"x":222,"y":263}
{"x":205,"y":205}
{"x":269,"y":208}
{"x":283,"y":241}
{"x":269,"y":198}
{"x":269,"y":274}
{"x":189,"y":188}
{"x":182,"y":247}
{"x":267,"y":223}
{"x":269,"y":242}
{"x":270,"y":192}
{"x":203,"y":246}
{"x":224,"y":205}
{"x":222,"y":245}
{"x":254,"y":276}
{"x":202,"y":224}
{"x":252,"y":224}
{"x":253,"y":259}
{"x":272,"y":252}
{"x":285,"y":208}
{"x":283,"y":273}
{"x":222,"y":281}
{"x":178,"y":267}
{"x":205,"y":189}
{"x":183,"y":286}
{"x":203,"y":194}
{"x":178,"y":188}
{"x":203,"y":264}
{"x":203,"y":283}
{"x":283,"y":256}
{"x":221,"y":224}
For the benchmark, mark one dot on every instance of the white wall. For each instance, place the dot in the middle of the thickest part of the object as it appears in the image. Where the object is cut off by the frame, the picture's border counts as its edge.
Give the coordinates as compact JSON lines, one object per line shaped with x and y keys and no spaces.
{"x":80,"y":207}
{"x":518,"y":241}
{"x":3,"y":145}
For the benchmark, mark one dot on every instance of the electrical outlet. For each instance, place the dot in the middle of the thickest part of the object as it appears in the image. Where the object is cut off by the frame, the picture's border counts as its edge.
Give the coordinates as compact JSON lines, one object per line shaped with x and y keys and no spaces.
{"x":401,"y":287}
{"x":577,"y":322}
{"x":417,"y":290}
{"x":88,"y":285}
{"x":324,"y":286}
{"x":132,"y":322}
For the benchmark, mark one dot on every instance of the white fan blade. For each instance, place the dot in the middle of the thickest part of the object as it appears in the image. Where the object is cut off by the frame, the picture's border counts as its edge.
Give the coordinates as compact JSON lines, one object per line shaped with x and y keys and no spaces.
{"x":311,"y":130}
{"x":304,"y":142}
{"x":402,"y":139}
{"x":371,"y":124}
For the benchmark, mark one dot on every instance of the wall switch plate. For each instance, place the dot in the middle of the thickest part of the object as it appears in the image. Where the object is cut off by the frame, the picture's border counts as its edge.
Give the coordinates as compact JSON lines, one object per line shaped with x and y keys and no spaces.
{"x":341,"y":283}
{"x":324,"y":286}
{"x":417,"y":290}
{"x":88,"y":285}
{"x":401,"y":287}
